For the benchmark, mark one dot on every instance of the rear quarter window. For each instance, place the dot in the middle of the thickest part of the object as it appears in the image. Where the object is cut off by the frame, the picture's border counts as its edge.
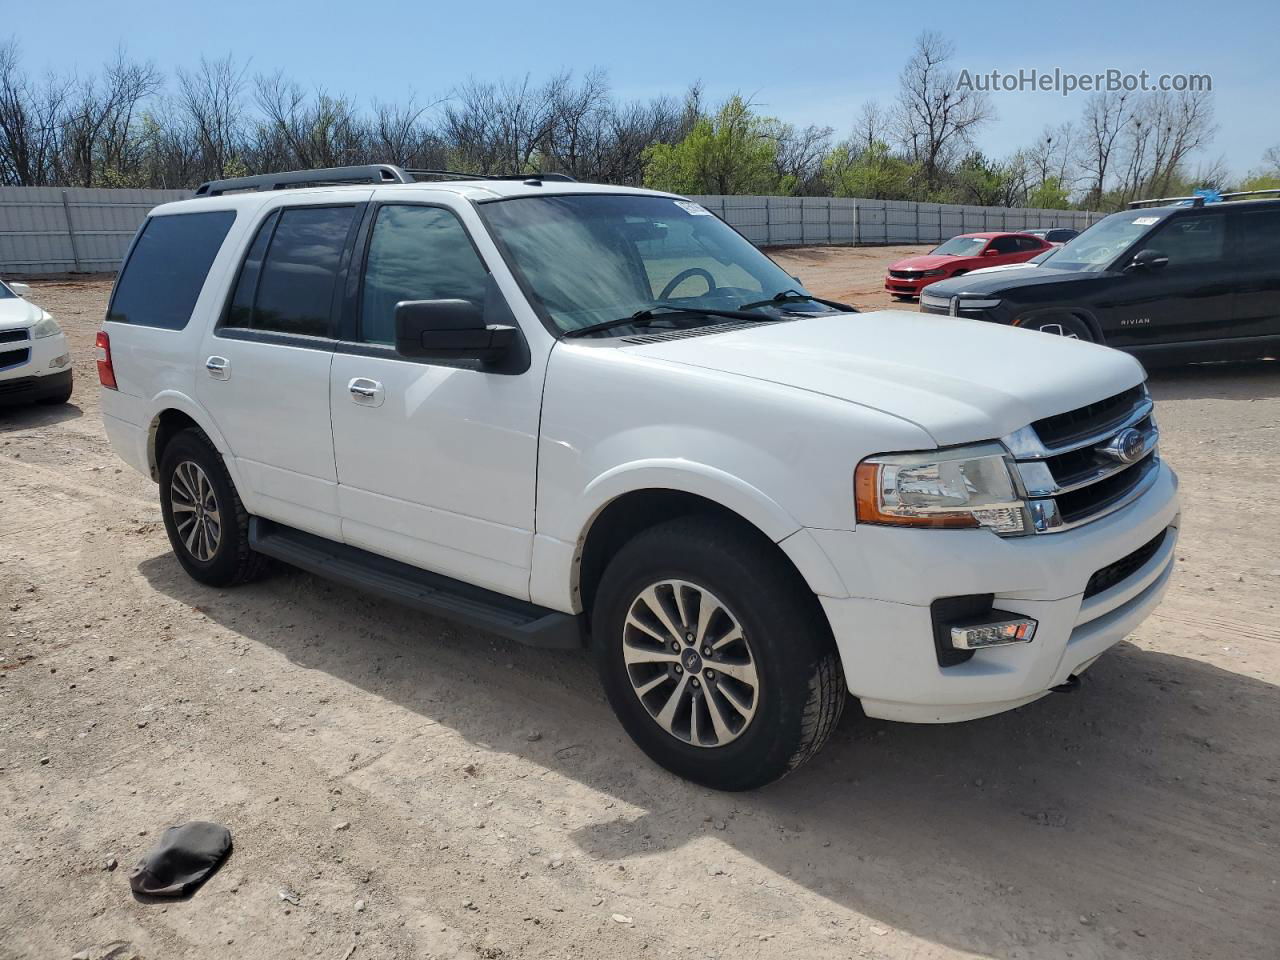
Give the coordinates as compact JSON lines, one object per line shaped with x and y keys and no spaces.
{"x":167,"y":268}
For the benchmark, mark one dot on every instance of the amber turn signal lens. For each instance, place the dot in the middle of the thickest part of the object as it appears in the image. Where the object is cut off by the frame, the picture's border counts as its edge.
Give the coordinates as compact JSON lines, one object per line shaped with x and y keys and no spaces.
{"x":866,"y":496}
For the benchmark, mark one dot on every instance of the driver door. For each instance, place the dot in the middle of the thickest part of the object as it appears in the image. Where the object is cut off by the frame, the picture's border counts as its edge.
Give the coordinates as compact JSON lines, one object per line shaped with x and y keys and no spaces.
{"x":1190,"y":299}
{"x":435,"y":459}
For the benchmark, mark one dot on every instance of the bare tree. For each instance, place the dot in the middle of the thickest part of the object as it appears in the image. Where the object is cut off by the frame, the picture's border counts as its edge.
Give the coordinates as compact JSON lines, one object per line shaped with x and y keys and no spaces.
{"x":1105,"y":117}
{"x":934,"y":115}
{"x":211,"y":101}
{"x":30,"y":122}
{"x":872,"y":125}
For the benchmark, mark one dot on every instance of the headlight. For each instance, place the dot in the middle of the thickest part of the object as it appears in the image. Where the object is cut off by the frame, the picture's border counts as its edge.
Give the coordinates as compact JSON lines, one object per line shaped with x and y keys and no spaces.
{"x":933,"y":273}
{"x":977,"y":304}
{"x":47,"y":327}
{"x":966,"y":487}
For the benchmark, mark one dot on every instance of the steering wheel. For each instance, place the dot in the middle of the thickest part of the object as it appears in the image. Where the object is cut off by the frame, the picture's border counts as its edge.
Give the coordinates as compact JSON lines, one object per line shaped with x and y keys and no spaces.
{"x":684,"y":275}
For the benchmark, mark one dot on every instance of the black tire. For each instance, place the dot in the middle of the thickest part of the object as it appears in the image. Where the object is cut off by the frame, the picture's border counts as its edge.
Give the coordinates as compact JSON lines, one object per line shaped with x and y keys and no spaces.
{"x":902,"y":296}
{"x":231,"y":561}
{"x":800,"y":691}
{"x":1062,"y":325}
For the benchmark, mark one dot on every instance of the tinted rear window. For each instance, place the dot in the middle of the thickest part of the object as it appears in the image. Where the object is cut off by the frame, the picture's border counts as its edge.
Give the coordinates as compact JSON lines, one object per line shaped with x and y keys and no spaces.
{"x":290,"y":288}
{"x":167,"y":269}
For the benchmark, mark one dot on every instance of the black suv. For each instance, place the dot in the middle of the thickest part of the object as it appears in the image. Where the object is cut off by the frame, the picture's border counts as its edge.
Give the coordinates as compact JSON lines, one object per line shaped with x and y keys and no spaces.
{"x":1168,"y":283}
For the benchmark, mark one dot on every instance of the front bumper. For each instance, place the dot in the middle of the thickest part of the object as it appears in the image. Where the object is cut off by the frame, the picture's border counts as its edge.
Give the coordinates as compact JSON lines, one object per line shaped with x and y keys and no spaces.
{"x":42,"y":372}
{"x":908,"y":287}
{"x":884,"y":629}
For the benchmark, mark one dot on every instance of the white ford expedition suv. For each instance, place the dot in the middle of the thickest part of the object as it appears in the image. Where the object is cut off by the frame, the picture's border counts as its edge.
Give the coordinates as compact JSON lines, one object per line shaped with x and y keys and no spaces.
{"x":576,"y":414}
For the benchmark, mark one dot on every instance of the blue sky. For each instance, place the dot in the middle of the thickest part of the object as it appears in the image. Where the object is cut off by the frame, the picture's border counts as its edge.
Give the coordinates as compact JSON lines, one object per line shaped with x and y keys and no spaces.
{"x":807,"y":63}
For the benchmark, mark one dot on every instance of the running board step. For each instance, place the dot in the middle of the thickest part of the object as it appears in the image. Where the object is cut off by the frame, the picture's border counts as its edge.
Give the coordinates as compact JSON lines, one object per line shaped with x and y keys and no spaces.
{"x":451,"y":599}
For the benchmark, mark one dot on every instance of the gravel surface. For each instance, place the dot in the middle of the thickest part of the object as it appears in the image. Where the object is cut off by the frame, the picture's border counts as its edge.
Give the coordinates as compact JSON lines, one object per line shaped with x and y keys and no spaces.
{"x":398,"y":787}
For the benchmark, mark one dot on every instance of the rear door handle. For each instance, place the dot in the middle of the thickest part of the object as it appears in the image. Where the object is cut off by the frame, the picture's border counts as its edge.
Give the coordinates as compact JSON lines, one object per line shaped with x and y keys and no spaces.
{"x":366,"y":392}
{"x":219,"y":368}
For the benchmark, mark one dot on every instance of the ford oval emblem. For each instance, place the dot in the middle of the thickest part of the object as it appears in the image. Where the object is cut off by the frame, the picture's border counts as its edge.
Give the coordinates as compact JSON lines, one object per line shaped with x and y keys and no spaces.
{"x":1127,"y":446}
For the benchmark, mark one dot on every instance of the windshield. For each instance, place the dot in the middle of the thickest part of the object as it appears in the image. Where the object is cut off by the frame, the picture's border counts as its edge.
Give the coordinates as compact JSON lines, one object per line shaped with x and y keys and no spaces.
{"x":5,"y":292}
{"x":588,"y":259}
{"x":1101,"y":243}
{"x":962,"y":247}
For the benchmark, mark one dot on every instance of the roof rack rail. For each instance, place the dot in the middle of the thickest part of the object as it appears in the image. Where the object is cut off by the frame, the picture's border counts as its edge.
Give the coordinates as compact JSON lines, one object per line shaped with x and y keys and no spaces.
{"x":459,"y":175}
{"x":323,"y":176}
{"x":1159,"y":201}
{"x":1199,"y":200}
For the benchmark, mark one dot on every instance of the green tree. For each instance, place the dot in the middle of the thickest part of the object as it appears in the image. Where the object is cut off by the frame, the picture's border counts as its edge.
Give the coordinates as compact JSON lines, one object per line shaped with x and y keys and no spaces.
{"x":870,"y":171}
{"x":1050,"y":195}
{"x":731,"y":152}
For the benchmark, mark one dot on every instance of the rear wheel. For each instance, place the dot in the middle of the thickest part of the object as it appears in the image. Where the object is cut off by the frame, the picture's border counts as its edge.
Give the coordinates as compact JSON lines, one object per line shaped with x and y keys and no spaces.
{"x":715,"y":655}
{"x":207,"y":524}
{"x":1061,"y":325}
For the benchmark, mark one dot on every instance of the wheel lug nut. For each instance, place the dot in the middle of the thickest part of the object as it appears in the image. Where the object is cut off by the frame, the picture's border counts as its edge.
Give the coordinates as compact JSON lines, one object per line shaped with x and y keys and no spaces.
{"x":706,"y":651}
{"x":695,"y":681}
{"x":688,"y":638}
{"x":679,"y":669}
{"x":675,"y":646}
{"x":709,"y":674}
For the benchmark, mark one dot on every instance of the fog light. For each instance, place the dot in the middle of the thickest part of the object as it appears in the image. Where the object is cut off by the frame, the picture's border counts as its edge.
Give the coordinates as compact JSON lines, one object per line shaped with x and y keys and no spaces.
{"x":993,"y":633}
{"x":60,"y":361}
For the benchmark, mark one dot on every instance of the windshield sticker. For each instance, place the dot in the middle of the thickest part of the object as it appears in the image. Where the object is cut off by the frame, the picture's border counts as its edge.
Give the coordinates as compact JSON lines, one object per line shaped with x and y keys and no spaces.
{"x":696,"y":209}
{"x":1146,"y":221}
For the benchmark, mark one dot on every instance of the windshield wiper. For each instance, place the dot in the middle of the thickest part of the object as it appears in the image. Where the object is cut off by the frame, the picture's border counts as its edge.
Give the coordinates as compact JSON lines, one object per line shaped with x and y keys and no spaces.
{"x":643,"y":318}
{"x":795,"y":296}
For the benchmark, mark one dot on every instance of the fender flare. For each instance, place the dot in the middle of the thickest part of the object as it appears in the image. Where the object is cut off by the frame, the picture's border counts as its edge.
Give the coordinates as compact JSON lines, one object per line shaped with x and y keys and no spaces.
{"x":731,"y":492}
{"x":176,"y":400}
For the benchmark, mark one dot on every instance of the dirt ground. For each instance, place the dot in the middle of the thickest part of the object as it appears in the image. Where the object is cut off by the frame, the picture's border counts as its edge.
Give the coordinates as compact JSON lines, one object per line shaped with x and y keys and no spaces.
{"x":401,"y":788}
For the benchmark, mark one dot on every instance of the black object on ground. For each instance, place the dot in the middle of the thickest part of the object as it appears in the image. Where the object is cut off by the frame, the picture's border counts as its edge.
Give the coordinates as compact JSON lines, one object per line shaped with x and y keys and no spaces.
{"x":184,"y":858}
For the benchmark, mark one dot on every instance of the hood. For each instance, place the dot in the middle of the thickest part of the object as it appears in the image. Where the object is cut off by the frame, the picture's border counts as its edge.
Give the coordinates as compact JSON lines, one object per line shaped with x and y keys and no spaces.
{"x":926,"y":261}
{"x":997,"y":280}
{"x":960,"y":380}
{"x":1003,"y":266}
{"x":16,"y":312}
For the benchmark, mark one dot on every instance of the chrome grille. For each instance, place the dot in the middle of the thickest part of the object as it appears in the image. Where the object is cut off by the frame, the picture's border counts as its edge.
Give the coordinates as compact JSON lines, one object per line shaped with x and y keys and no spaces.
{"x":1081,"y":465}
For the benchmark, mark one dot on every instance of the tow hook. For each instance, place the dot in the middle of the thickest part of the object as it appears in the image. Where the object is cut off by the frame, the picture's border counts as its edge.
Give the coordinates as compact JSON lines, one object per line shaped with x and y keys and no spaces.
{"x":1073,"y":682}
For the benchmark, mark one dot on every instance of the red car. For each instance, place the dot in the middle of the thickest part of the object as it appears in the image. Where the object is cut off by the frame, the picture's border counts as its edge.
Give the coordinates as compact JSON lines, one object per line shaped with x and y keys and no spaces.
{"x":969,"y":251}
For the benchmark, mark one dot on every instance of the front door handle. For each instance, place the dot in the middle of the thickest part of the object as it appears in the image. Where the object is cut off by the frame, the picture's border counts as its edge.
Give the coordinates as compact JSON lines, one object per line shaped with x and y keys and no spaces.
{"x":366,"y":392}
{"x":219,"y":368}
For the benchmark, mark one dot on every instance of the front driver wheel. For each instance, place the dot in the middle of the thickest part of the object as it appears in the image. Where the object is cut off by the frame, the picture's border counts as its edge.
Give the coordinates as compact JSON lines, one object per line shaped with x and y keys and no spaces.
{"x":715,"y":655}
{"x":1061,"y":325}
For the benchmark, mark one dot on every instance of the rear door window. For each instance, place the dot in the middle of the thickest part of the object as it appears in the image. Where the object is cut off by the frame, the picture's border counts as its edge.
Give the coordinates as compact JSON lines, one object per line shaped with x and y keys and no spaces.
{"x":287,"y":281}
{"x":167,"y":268}
{"x":1259,"y":233}
{"x":1005,"y":245}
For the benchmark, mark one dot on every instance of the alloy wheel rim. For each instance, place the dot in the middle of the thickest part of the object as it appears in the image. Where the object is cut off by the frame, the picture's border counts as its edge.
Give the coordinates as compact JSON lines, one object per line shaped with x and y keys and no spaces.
{"x":195,"y":510}
{"x":1058,"y":330}
{"x":689,"y":663}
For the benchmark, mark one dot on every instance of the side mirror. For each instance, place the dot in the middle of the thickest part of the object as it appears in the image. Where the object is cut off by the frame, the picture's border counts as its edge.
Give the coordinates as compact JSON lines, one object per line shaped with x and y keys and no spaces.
{"x":450,"y":330}
{"x":21,"y":289}
{"x":1148,"y":260}
{"x":991,"y":253}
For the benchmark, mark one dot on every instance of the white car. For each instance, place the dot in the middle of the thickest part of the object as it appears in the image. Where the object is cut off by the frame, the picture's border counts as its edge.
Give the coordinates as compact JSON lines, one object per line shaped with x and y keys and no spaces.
{"x":1035,"y":261}
{"x":35,"y":364}
{"x":571,"y":413}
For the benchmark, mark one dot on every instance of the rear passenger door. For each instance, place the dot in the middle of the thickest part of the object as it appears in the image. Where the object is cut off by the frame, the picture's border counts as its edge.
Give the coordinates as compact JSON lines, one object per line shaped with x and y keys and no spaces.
{"x":436,"y":459}
{"x":1256,"y":256}
{"x":265,"y":376}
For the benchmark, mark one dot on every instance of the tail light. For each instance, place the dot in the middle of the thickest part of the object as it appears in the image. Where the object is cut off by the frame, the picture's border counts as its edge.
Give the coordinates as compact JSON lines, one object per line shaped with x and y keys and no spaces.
{"x":106,"y":373}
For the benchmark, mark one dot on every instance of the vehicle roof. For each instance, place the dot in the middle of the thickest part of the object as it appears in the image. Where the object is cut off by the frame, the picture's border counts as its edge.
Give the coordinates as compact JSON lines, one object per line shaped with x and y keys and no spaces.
{"x":474,"y":190}
{"x":992,"y":234}
{"x":1209,"y":207}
